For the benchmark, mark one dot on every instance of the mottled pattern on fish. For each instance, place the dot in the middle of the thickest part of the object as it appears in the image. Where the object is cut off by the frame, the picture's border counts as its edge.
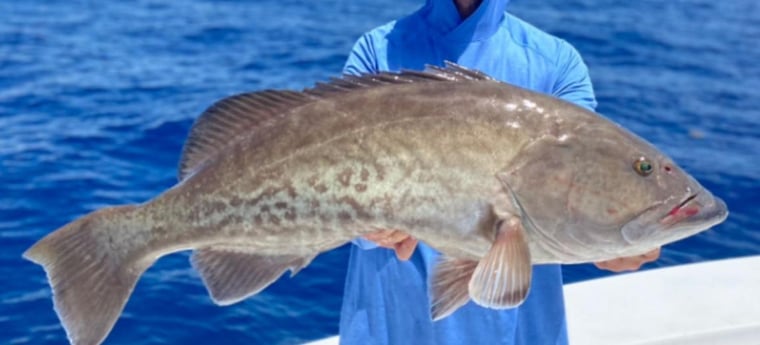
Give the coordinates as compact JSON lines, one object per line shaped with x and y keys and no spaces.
{"x":355,"y":172}
{"x":494,"y":176}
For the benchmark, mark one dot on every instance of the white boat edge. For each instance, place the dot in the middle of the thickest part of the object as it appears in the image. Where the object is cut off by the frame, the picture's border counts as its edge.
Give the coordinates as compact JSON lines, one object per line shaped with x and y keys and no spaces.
{"x":713,"y":302}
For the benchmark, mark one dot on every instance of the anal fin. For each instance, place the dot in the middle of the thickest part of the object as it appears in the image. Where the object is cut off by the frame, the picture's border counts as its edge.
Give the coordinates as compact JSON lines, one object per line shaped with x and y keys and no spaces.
{"x":502,"y":278}
{"x":448,"y":288}
{"x":232,"y":273}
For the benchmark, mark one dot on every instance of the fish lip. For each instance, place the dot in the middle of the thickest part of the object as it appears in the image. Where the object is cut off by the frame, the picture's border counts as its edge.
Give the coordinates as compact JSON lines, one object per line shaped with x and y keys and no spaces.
{"x":683,"y":203}
{"x":679,"y":221}
{"x":700,"y":207}
{"x":676,"y":214}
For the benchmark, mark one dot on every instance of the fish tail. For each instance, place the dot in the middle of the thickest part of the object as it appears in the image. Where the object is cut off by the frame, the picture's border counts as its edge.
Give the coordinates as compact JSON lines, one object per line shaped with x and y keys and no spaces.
{"x":91,"y":270}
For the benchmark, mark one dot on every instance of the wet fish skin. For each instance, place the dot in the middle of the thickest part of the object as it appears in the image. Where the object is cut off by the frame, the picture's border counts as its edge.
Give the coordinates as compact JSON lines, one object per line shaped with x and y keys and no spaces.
{"x":339,"y":190}
{"x":491,"y":175}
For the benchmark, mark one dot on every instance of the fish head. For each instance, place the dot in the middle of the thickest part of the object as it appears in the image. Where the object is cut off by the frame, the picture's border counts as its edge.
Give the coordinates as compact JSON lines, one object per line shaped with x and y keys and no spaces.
{"x":603,"y":192}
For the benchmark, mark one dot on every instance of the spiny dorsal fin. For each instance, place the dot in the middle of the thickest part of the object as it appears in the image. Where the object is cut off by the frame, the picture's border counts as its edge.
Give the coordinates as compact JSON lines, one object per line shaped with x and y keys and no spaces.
{"x":454,"y":72}
{"x":231,"y":118}
{"x":451,"y":73}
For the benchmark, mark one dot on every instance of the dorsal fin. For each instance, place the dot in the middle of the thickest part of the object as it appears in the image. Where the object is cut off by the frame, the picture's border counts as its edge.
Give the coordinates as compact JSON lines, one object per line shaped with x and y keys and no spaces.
{"x":454,"y":72}
{"x":451,"y":73}
{"x":229,"y":119}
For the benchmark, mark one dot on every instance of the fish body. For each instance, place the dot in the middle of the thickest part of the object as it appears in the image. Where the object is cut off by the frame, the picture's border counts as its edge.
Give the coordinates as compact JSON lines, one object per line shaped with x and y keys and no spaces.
{"x":493,"y":176}
{"x":353,"y":174}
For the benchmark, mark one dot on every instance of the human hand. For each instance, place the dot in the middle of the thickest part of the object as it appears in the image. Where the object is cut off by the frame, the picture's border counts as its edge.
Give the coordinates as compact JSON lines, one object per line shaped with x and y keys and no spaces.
{"x":401,"y":242}
{"x":630,"y":263}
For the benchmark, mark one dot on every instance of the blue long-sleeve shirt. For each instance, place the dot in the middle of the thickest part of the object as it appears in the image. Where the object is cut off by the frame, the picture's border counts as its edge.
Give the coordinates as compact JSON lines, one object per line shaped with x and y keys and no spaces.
{"x":386,"y":300}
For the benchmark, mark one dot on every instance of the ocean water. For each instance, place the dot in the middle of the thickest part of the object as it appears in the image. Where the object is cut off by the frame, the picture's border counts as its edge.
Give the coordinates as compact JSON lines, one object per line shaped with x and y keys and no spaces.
{"x":96,"y":99}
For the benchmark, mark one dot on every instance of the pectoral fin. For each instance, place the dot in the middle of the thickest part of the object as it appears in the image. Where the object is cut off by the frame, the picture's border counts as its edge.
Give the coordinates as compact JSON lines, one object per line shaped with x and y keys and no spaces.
{"x":233,"y":273}
{"x":502,"y":278}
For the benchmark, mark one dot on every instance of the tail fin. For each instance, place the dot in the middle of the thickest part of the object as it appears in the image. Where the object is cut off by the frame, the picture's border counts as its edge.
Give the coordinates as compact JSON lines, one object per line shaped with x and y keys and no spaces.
{"x":91,"y":272}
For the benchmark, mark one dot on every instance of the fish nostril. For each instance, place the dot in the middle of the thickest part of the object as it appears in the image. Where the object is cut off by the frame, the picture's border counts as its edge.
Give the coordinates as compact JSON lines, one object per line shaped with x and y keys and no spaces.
{"x":668,"y":169}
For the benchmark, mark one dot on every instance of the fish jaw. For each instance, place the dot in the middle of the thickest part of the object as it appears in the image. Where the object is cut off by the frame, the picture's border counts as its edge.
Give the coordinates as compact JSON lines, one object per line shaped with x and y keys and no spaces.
{"x":690,"y":215}
{"x":701,"y":210}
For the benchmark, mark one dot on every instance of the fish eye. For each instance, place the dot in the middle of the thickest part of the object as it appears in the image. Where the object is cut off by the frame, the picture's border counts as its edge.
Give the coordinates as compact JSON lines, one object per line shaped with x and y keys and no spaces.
{"x":643,"y":166}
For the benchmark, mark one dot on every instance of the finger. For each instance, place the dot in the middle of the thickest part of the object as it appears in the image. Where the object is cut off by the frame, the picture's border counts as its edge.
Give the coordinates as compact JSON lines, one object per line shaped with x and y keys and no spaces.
{"x":394,"y":239}
{"x":619,"y":265}
{"x":608,"y":265}
{"x":378,"y":235}
{"x":405,"y":248}
{"x":379,"y":238}
{"x":651,"y":256}
{"x":630,"y":265}
{"x":397,"y":237}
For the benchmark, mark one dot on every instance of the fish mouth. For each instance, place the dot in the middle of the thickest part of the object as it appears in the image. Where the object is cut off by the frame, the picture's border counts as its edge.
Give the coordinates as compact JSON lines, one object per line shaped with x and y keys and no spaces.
{"x":683,"y":210}
{"x":696,"y":208}
{"x":693,"y":214}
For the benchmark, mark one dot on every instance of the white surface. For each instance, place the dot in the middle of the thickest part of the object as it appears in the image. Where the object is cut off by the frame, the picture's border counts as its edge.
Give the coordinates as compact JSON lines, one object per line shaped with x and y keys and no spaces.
{"x":326,"y":341}
{"x":714,"y":302}
{"x":709,"y":303}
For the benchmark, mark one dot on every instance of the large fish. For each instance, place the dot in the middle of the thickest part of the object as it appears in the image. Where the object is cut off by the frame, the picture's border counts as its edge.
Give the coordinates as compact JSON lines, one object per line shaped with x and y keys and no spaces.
{"x":495,"y":177}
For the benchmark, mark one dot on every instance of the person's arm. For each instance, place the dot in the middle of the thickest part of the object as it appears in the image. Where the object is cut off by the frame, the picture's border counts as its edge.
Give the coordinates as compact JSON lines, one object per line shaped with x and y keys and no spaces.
{"x":362,"y":58}
{"x":572,"y":80}
{"x":573,"y":84}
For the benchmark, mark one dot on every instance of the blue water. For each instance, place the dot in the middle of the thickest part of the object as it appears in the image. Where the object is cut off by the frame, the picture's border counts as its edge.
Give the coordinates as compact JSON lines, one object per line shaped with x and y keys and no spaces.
{"x":96,"y":99}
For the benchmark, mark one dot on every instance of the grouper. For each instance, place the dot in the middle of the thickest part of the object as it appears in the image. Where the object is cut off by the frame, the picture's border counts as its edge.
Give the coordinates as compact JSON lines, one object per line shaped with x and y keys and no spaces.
{"x":495,"y":177}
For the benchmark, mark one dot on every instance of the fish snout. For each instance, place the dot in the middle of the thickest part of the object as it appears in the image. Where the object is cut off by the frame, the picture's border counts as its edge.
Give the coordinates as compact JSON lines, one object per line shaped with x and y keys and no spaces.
{"x":692,"y":214}
{"x":698,"y":208}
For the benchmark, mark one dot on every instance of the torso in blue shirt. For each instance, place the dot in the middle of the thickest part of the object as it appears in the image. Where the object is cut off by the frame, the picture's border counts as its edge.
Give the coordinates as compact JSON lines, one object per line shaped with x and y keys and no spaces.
{"x":386,"y":301}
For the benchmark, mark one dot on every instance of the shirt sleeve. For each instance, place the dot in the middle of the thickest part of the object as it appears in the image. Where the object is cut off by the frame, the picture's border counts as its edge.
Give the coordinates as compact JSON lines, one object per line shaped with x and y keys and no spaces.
{"x":361,"y":60}
{"x":573,"y":82}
